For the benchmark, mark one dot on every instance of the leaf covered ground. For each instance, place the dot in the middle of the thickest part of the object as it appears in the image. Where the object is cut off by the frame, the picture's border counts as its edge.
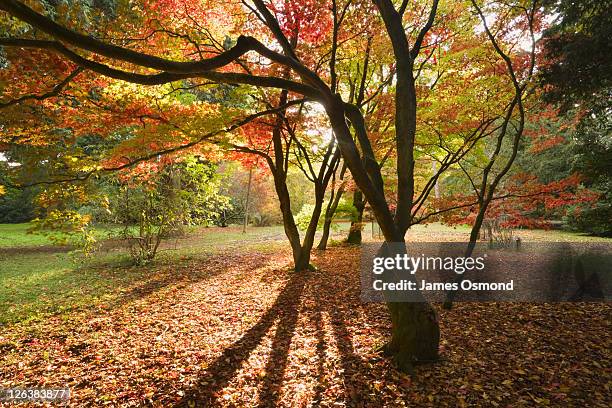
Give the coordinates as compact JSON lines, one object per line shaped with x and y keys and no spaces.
{"x":240,"y":329}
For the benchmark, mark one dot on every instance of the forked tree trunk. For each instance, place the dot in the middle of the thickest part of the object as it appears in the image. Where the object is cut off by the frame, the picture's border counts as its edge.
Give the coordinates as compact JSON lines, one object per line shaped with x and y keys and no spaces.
{"x":300,"y":248}
{"x":354,"y":235}
{"x":415,"y":331}
{"x":330,"y":211}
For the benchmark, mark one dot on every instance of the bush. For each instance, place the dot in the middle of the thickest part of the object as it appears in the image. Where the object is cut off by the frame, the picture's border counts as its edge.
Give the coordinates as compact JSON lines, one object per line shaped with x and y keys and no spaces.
{"x":344,"y":209}
{"x":158,"y":208}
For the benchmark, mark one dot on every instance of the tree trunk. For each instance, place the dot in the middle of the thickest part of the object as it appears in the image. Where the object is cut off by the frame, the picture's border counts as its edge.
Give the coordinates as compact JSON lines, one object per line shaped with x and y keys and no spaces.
{"x":325,"y":236}
{"x":248,"y":197}
{"x":301,"y":250}
{"x":334,"y":201}
{"x":309,"y":236}
{"x":291,"y":230}
{"x":415,"y":334}
{"x":474,"y":233}
{"x":301,"y":260}
{"x":354,"y":235}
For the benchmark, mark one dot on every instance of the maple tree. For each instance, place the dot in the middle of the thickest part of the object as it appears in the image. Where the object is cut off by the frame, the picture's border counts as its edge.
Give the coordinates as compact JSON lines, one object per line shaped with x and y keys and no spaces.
{"x":279,"y":146}
{"x":298,"y":51}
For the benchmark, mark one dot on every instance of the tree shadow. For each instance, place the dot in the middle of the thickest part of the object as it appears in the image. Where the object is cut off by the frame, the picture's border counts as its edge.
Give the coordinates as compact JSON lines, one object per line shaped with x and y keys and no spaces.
{"x":328,"y":298}
{"x":216,"y":265}
{"x":355,"y":386}
{"x":317,"y":320}
{"x":277,"y":362}
{"x":284,"y":311}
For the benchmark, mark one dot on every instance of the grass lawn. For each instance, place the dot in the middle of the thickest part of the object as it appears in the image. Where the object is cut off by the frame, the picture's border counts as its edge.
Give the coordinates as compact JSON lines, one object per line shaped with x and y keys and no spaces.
{"x":38,"y":279}
{"x":16,"y":235}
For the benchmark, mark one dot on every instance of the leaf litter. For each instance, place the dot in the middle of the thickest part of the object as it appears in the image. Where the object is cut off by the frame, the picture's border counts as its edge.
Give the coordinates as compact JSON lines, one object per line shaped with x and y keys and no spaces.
{"x":241,"y":330}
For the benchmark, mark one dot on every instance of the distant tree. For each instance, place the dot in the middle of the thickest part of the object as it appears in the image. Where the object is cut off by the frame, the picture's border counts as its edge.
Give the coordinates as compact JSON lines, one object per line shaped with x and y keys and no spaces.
{"x":16,"y":205}
{"x":577,"y":65}
{"x":577,"y":74}
{"x":263,"y":207}
{"x":593,"y":158}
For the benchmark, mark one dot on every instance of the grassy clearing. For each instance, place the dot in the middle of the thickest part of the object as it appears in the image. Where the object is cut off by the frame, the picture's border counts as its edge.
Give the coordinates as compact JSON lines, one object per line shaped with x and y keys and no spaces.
{"x":221,"y":308}
{"x":38,"y":280}
{"x":16,"y":235}
{"x":240,"y":329}
{"x":36,"y":285}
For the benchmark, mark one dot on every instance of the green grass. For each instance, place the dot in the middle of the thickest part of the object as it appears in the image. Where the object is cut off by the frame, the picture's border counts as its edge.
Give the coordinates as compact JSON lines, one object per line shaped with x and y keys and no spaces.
{"x":37,"y":280}
{"x":16,"y":235}
{"x":35,"y":285}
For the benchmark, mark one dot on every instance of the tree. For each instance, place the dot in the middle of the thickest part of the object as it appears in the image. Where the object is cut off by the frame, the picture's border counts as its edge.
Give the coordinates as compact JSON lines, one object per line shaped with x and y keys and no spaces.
{"x":263,"y":207}
{"x":415,"y":332}
{"x":279,"y":146}
{"x":16,"y":205}
{"x":154,"y":206}
{"x":578,"y":55}
{"x":577,"y":78}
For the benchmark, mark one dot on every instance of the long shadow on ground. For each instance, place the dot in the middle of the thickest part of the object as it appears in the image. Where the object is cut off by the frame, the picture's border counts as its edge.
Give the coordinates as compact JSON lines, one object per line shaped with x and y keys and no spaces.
{"x":313,"y":295}
{"x":222,"y":370}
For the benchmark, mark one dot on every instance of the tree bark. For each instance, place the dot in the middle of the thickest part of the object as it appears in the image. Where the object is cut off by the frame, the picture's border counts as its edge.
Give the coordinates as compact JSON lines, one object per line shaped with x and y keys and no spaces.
{"x":354,"y":235}
{"x":309,"y":236}
{"x":248,"y":197}
{"x":415,"y":334}
{"x":325,"y":234}
{"x":330,"y":211}
{"x":291,"y":229}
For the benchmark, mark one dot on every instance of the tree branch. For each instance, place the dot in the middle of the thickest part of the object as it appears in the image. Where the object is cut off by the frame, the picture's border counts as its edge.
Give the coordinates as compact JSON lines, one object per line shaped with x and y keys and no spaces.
{"x":164,"y":77}
{"x":419,"y":40}
{"x":57,"y":89}
{"x":174,"y":149}
{"x":48,"y":26}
